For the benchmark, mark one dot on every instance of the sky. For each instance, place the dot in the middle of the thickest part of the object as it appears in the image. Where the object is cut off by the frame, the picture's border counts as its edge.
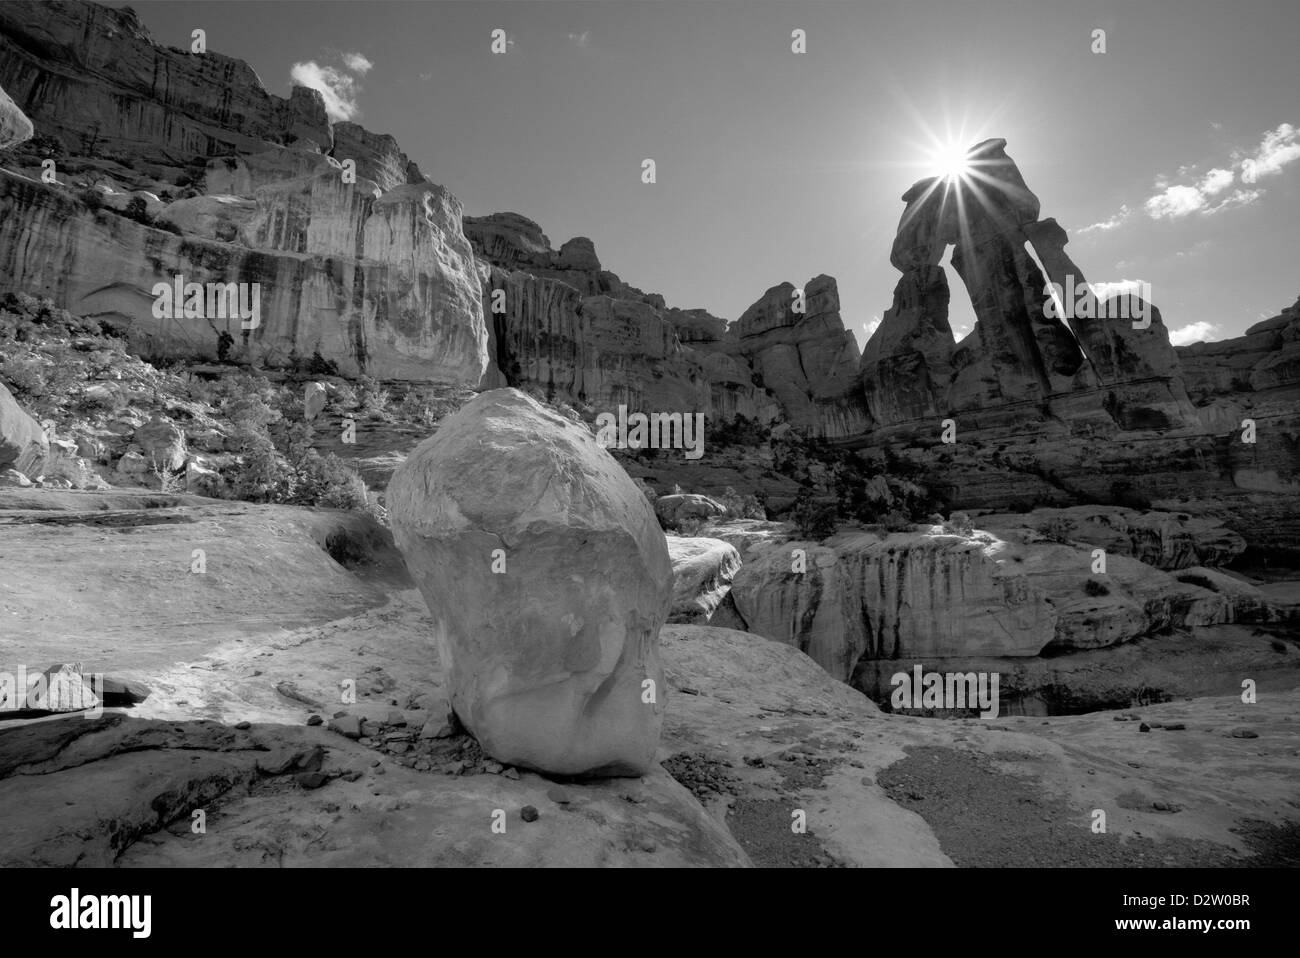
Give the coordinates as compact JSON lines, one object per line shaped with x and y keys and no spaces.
{"x":1172,"y":158}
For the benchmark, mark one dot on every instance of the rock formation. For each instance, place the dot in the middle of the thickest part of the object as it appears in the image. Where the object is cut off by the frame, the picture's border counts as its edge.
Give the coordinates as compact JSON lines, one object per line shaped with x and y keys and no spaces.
{"x":376,"y":275}
{"x":1023,"y":355}
{"x":547,"y":578}
{"x":14,"y":125}
{"x":924,"y":595}
{"x":702,"y":573}
{"x":23,"y":445}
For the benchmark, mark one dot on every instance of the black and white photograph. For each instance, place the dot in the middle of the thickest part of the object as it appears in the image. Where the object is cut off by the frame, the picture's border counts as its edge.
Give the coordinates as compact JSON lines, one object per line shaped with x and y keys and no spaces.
{"x":694,"y":434}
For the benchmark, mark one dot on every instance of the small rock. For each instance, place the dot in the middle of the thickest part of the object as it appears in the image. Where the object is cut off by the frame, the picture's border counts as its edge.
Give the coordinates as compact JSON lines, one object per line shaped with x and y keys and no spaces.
{"x":349,"y":726}
{"x":314,"y":720}
{"x":242,"y":726}
{"x":528,"y":813}
{"x":493,"y":768}
{"x":1176,"y":727}
{"x":511,"y":773}
{"x":1144,"y":727}
{"x":1244,"y":733}
{"x":559,"y":796}
{"x":310,"y":779}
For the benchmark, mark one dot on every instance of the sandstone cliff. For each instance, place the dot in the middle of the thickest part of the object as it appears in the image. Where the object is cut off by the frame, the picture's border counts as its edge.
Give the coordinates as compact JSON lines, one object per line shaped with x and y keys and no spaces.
{"x":237,"y":186}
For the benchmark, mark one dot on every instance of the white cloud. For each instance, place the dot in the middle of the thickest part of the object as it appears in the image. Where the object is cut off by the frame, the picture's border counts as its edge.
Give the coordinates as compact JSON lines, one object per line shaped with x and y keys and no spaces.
{"x":1216,"y":181}
{"x":338,"y":89}
{"x":1278,"y":148}
{"x":872,"y":326}
{"x":581,"y":39}
{"x":1135,"y":286}
{"x":1194,"y":333}
{"x":1238,"y":198}
{"x":357,"y":63}
{"x":1106,"y":225}
{"x":1175,"y":202}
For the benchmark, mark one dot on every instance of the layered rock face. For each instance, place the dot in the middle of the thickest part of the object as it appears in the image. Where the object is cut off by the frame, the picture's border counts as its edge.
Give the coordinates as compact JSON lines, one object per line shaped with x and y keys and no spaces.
{"x":1266,"y":357}
{"x":796,"y":342}
{"x":581,"y":334}
{"x":547,"y":578}
{"x":374,"y":274}
{"x":862,"y":598}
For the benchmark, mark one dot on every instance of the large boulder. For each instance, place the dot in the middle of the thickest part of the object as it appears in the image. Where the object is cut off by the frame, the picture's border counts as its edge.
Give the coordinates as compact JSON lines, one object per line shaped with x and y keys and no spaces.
{"x":702,"y":573}
{"x":162,"y":443}
{"x":680,"y":507}
{"x":23,"y":445}
{"x":547,"y":578}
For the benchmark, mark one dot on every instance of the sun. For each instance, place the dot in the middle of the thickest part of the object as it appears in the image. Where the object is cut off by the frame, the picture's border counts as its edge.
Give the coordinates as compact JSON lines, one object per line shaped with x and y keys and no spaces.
{"x":951,"y":160}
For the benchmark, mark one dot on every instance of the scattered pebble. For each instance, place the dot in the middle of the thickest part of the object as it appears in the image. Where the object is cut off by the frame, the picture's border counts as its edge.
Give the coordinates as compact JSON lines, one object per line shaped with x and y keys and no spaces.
{"x":314,"y":720}
{"x":528,"y":813}
{"x":242,"y":726}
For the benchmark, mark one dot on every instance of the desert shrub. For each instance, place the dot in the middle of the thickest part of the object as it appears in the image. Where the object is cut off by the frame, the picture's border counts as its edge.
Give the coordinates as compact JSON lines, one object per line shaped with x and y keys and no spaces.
{"x":690,"y":526}
{"x":260,"y":474}
{"x":320,"y":366}
{"x":328,"y":481}
{"x":741,"y":431}
{"x":896,"y":521}
{"x":137,"y":209}
{"x":1094,"y":587}
{"x":741,"y":507}
{"x":345,"y":397}
{"x":92,"y":197}
{"x":959,"y":524}
{"x":1058,"y":529}
{"x":25,"y":375}
{"x":250,"y":411}
{"x":375,"y":400}
{"x":814,"y":519}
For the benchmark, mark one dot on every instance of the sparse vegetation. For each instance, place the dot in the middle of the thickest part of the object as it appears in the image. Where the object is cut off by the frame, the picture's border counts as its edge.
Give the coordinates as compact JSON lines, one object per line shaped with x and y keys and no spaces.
{"x":1058,"y":529}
